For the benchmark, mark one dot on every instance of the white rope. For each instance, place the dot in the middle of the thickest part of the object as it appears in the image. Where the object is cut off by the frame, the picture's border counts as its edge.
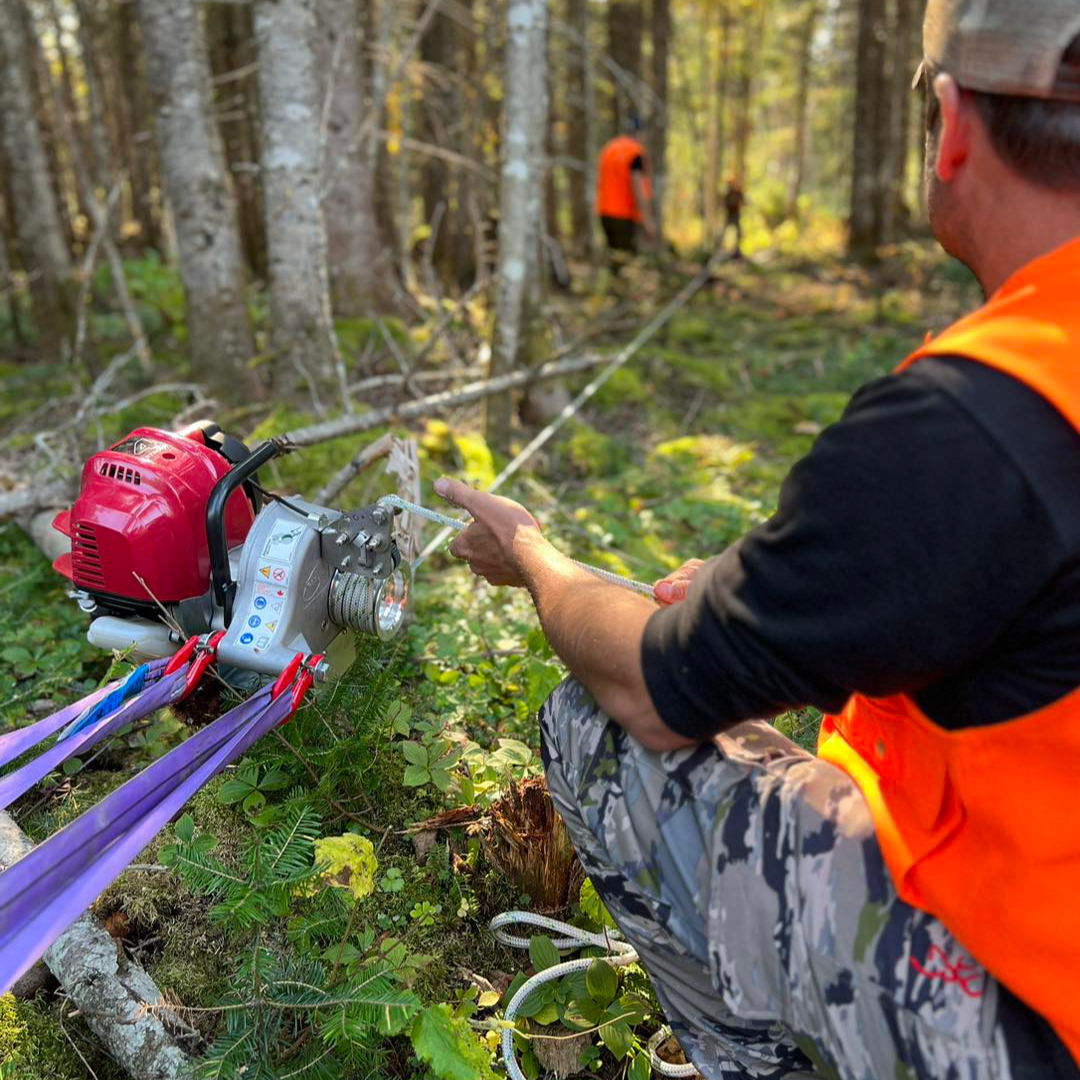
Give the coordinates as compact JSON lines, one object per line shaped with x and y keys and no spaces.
{"x":619,"y":954}
{"x":658,"y":320}
{"x":455,"y":525}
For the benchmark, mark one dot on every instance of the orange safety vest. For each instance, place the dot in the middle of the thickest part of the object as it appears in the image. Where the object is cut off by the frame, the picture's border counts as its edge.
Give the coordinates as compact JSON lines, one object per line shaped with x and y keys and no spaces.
{"x":981,"y":827}
{"x":614,"y":186}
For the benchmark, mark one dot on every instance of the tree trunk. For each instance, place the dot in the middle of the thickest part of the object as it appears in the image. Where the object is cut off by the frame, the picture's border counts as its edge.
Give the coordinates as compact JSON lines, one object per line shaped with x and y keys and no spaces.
{"x":60,"y":95}
{"x":625,"y":29}
{"x":39,"y":230}
{"x":101,"y":137}
{"x":348,"y":180}
{"x":578,"y":87}
{"x":302,"y":333}
{"x":437,"y":114}
{"x":715,"y":64}
{"x":7,"y":293}
{"x":887,"y":150}
{"x":230,"y":31}
{"x":198,"y":189}
{"x":904,"y":34}
{"x":57,"y":151}
{"x":750,"y":57}
{"x":385,"y":99}
{"x":661,"y":37}
{"x":802,"y":106}
{"x":108,"y":987}
{"x":133,"y":116}
{"x":863,"y":236}
{"x":517,"y":313}
{"x":469,"y":225}
{"x":556,"y":99}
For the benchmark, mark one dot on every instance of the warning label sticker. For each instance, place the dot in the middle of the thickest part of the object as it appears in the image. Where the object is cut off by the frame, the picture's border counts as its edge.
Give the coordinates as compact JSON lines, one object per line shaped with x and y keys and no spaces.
{"x":281,"y":543}
{"x":264,"y":613}
{"x":274,"y":573}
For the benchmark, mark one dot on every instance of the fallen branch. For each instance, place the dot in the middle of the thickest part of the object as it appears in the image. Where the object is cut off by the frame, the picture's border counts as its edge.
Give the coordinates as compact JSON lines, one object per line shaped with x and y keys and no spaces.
{"x":425,"y":406}
{"x":28,"y":500}
{"x":344,"y":476}
{"x":383,"y":382}
{"x":110,"y":990}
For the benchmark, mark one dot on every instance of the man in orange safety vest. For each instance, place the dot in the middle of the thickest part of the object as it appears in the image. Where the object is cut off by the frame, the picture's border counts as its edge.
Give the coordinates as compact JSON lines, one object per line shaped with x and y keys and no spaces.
{"x":624,"y":195}
{"x":905,"y":904}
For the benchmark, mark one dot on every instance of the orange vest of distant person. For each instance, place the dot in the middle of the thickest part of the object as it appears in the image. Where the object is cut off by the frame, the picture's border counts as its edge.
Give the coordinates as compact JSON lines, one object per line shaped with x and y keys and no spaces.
{"x":980,"y":827}
{"x":614,"y":186}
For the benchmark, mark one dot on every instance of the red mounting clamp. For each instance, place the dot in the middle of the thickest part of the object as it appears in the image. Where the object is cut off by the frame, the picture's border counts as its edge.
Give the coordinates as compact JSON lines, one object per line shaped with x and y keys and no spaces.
{"x":182,"y":655}
{"x":200,"y":653}
{"x":300,"y":674}
{"x":205,"y":654}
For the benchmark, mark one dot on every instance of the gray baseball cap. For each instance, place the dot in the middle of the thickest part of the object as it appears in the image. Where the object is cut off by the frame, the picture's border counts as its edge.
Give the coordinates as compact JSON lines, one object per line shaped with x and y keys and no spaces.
{"x":1003,"y":46}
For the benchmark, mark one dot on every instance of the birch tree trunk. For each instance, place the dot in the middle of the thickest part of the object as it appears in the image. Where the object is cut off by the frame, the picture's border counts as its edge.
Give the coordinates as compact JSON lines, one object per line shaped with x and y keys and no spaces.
{"x":301,"y":330}
{"x":518,"y":273}
{"x":39,"y":230}
{"x":197,"y":187}
{"x":349,"y":181}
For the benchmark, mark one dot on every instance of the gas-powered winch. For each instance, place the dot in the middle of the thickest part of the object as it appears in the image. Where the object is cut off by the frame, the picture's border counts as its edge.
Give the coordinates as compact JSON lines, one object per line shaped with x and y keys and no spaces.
{"x":173,"y":525}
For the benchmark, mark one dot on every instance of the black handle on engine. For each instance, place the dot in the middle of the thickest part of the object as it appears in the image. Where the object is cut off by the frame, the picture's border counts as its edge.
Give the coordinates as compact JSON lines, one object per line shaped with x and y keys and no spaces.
{"x":220,"y":577}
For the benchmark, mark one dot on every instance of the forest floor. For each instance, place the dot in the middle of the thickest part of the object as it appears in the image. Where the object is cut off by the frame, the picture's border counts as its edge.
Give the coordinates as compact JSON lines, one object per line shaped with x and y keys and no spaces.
{"x":681,"y":452}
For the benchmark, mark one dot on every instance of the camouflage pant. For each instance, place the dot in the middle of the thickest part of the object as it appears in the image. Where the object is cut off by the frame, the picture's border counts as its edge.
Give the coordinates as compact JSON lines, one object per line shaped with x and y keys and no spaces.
{"x":747,"y":875}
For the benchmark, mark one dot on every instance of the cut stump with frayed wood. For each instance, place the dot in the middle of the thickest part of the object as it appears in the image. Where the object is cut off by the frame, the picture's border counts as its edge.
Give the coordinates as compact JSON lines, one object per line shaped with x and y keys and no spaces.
{"x":524,"y":837}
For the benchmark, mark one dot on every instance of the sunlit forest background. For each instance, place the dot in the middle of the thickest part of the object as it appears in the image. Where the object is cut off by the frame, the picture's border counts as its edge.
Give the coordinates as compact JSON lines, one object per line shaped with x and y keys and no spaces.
{"x":370,"y":224}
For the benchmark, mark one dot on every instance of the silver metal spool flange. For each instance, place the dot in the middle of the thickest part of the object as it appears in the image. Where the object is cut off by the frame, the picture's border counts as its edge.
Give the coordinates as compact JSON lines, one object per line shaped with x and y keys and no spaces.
{"x":372,"y":607}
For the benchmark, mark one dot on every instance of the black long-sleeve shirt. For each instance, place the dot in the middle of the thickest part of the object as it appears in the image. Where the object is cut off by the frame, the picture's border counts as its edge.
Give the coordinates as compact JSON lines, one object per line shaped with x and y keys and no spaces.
{"x":928,"y":544}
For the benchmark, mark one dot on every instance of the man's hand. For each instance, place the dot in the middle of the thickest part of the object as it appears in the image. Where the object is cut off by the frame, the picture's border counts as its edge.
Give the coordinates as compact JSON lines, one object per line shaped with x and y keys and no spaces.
{"x":674,"y":587}
{"x":491,"y":543}
{"x":595,"y":627}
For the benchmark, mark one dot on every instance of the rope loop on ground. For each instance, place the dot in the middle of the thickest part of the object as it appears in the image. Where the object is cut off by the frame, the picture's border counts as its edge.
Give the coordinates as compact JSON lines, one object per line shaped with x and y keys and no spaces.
{"x":619,"y":953}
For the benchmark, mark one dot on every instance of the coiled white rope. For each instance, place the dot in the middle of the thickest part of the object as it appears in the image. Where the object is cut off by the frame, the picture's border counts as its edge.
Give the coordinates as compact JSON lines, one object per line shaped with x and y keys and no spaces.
{"x":453,"y":523}
{"x":619,"y":953}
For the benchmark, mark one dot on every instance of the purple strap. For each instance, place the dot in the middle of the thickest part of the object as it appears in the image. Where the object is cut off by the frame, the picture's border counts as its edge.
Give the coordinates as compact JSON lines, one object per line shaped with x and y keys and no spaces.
{"x":50,"y":887}
{"x":15,"y":743}
{"x":165,"y":690}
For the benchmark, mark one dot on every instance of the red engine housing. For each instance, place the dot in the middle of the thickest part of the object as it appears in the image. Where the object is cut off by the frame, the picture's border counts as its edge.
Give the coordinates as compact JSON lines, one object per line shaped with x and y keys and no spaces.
{"x":141,"y":511}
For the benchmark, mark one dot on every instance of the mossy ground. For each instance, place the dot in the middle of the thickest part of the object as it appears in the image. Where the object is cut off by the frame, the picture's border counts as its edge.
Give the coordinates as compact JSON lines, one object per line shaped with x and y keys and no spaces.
{"x":681,"y":452}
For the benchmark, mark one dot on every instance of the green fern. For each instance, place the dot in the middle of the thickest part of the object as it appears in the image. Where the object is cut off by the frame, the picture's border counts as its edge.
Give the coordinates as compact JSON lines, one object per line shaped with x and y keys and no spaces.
{"x":272,"y":868}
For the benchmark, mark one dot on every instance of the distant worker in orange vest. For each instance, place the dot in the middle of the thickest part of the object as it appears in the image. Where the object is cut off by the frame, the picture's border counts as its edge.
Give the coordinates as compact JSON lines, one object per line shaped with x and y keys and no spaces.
{"x":624,"y":195}
{"x":905,"y":903}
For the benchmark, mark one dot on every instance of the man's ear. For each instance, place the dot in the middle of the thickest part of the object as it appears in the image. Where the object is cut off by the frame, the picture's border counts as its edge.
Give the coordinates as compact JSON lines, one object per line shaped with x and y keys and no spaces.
{"x":954,"y":145}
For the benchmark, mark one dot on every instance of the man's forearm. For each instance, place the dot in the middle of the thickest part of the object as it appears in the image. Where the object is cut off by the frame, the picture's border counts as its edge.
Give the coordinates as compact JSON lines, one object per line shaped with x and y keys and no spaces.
{"x":596,"y":629}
